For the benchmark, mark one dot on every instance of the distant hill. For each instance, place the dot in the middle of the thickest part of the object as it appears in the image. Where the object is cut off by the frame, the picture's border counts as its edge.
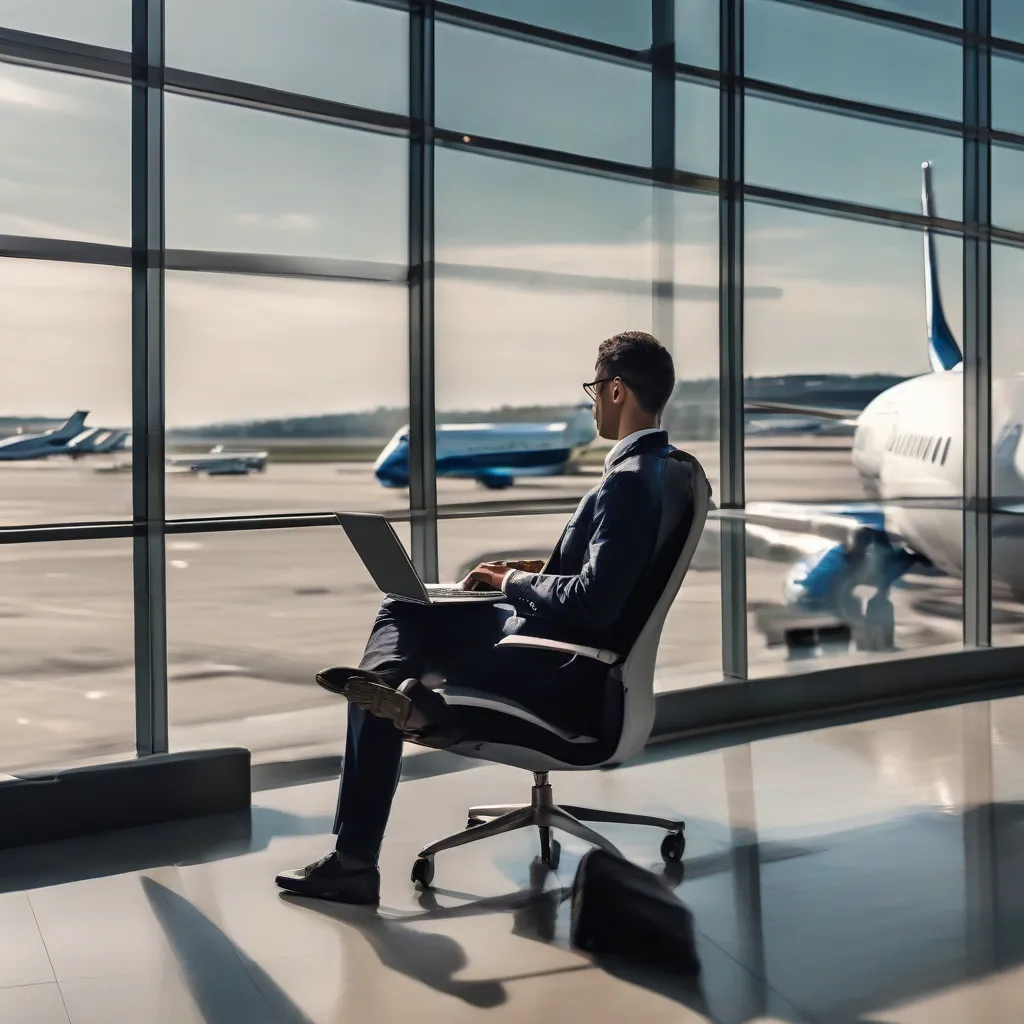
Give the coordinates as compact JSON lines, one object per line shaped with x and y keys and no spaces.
{"x":692,"y":411}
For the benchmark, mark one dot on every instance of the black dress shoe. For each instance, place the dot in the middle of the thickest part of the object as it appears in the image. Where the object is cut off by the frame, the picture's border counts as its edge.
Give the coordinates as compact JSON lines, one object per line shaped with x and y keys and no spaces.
{"x":330,"y":879}
{"x":336,"y":679}
{"x":416,"y":711}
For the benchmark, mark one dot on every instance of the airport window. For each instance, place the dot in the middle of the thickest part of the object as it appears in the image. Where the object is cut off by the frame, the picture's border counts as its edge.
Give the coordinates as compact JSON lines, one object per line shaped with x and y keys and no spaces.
{"x":697,"y":128}
{"x":65,"y":169}
{"x":1007,"y":87}
{"x":523,"y":92}
{"x":96,"y":22}
{"x":697,"y":32}
{"x":244,"y":181}
{"x":947,"y":12}
{"x":796,"y":149}
{"x":299,"y":306}
{"x":66,"y":660}
{"x":309,"y":373}
{"x":620,"y":22}
{"x":1008,"y":20}
{"x":343,"y":50}
{"x":852,"y":58}
{"x":1008,"y":187}
{"x":65,"y":345}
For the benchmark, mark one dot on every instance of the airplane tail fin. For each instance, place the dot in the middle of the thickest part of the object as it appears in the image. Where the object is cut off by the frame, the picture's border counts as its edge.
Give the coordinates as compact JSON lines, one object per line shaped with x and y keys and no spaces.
{"x":72,"y":428}
{"x":943,"y":351}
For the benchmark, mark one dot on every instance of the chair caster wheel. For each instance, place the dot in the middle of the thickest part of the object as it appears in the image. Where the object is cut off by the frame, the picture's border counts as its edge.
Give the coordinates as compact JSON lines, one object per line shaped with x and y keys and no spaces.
{"x":472,"y":822}
{"x":423,"y":871}
{"x":672,"y":847}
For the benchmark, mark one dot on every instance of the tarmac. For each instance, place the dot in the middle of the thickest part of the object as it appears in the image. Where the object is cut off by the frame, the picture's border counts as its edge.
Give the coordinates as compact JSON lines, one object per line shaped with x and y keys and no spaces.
{"x":252,"y":615}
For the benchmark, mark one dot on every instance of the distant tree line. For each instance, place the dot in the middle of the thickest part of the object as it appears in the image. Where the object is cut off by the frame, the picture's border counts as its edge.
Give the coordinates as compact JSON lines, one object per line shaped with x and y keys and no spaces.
{"x":692,"y":411}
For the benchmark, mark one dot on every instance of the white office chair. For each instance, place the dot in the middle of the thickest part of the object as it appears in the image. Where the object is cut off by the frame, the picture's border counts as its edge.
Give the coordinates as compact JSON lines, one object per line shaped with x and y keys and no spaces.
{"x":505,"y":732}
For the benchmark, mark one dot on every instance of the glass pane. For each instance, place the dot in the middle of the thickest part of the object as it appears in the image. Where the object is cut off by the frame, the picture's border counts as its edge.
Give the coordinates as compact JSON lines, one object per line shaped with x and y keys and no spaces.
{"x":529,"y":286}
{"x":801,"y":150}
{"x":535,"y":268}
{"x":1008,"y":579}
{"x":1007,"y":452}
{"x":67,"y":672}
{"x":1008,"y":19}
{"x":697,"y":128}
{"x":848,"y":327}
{"x":852,"y":59}
{"x":340,"y":50}
{"x":99,"y":22}
{"x":948,"y":12}
{"x":620,"y":22}
{"x":1007,"y":85}
{"x":65,"y":341}
{"x":690,"y":653}
{"x":251,"y":618}
{"x":1008,"y":187}
{"x":244,"y":181}
{"x":697,"y":32}
{"x":503,"y":88}
{"x":65,"y":172}
{"x":312,"y":373}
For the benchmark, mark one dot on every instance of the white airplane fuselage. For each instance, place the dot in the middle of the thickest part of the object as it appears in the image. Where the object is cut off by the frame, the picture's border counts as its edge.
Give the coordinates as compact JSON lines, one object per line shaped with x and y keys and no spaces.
{"x":909,"y":443}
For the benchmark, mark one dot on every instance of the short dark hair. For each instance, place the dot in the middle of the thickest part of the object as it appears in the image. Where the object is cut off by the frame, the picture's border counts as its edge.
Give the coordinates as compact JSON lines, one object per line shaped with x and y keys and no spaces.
{"x":644,"y":365}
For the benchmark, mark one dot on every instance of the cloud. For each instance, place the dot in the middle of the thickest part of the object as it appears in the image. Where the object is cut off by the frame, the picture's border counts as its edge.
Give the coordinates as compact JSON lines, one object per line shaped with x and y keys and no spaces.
{"x":14,"y":93}
{"x":304,"y":222}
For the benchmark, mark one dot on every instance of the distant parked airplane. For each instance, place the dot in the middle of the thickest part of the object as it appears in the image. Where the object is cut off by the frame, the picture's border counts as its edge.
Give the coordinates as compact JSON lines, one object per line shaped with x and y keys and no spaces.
{"x":218,"y":462}
{"x":493,"y":454}
{"x":41,"y":446}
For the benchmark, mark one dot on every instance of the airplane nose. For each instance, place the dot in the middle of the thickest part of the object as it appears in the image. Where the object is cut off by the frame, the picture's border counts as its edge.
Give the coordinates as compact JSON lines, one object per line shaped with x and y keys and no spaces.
{"x":393,"y":469}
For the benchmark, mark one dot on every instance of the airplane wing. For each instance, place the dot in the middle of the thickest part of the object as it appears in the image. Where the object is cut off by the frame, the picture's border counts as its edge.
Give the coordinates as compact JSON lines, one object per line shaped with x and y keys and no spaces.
{"x":846,"y":416}
{"x":837,"y":524}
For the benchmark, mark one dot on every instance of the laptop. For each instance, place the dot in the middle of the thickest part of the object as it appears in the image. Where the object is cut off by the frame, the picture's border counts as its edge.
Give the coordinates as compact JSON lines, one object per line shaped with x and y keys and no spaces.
{"x":385,"y":557}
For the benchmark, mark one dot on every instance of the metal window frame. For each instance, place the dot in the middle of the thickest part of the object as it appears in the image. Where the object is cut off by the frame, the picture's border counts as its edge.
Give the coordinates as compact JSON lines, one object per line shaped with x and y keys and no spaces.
{"x":148,"y":506}
{"x":977,"y":333}
{"x":422,"y":437}
{"x":663,"y":166}
{"x":731,"y":363}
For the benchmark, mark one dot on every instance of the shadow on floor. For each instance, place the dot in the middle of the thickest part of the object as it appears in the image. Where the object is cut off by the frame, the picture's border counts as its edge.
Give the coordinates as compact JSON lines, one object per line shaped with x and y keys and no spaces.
{"x":226,"y":985}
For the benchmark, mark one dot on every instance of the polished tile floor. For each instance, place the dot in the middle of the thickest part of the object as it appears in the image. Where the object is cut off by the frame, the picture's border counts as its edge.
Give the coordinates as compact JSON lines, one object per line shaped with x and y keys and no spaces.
{"x":859,"y":873}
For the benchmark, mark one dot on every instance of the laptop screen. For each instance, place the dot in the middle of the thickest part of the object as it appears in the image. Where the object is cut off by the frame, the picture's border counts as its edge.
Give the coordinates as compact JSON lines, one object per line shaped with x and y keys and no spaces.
{"x":382,"y":553}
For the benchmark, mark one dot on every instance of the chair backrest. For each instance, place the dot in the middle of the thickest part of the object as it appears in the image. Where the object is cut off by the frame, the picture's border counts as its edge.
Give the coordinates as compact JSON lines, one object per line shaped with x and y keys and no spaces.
{"x":684,"y":481}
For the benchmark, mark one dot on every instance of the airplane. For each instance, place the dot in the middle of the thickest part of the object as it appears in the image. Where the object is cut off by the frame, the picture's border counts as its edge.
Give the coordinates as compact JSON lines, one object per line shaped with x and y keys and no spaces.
{"x":218,"y":462}
{"x":493,"y":454}
{"x":98,"y":441}
{"x":908,"y":453}
{"x":40,"y":446}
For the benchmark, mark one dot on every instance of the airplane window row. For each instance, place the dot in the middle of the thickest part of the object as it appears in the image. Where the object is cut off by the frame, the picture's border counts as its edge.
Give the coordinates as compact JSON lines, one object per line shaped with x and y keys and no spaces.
{"x":919,"y":446}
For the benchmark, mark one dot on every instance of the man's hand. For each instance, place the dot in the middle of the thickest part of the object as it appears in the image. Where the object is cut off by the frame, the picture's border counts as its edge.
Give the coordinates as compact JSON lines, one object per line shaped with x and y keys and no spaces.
{"x":486,"y":576}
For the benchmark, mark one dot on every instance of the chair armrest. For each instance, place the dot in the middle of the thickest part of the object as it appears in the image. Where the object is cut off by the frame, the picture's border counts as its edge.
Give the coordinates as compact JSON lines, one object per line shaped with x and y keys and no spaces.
{"x":595,"y":653}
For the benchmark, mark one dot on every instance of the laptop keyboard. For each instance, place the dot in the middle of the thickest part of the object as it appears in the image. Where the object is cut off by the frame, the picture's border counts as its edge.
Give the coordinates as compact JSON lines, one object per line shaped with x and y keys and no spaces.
{"x":459,"y":592}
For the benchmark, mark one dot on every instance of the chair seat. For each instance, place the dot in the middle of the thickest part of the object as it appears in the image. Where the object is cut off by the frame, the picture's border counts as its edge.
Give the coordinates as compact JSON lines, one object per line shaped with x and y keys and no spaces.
{"x":458,"y":696}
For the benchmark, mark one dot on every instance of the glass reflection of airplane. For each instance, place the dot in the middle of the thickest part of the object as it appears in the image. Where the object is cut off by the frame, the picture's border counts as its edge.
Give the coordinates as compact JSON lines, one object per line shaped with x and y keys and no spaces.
{"x":493,"y":454}
{"x":908,"y":444}
{"x":72,"y":439}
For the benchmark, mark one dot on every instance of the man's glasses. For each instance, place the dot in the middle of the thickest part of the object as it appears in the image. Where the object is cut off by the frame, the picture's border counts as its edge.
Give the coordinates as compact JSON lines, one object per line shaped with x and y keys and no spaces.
{"x":591,"y":388}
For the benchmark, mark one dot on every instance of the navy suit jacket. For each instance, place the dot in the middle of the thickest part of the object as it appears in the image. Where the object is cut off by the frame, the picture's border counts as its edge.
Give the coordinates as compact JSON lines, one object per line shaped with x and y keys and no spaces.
{"x":600,"y":583}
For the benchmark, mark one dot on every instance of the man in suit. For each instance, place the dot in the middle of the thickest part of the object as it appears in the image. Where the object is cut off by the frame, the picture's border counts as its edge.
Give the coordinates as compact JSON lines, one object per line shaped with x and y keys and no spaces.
{"x":597,"y":588}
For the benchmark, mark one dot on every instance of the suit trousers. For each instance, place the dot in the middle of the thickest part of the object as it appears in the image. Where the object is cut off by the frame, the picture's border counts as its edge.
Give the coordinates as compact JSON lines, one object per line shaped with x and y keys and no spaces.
{"x":451,"y":644}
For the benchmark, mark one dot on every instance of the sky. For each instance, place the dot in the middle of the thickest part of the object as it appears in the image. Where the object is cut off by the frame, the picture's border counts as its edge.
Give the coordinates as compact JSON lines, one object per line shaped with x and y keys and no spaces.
{"x":847,"y":297}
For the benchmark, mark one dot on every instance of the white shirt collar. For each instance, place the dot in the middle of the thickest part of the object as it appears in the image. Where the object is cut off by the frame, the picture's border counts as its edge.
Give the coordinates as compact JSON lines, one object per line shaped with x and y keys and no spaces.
{"x":625,"y":442}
